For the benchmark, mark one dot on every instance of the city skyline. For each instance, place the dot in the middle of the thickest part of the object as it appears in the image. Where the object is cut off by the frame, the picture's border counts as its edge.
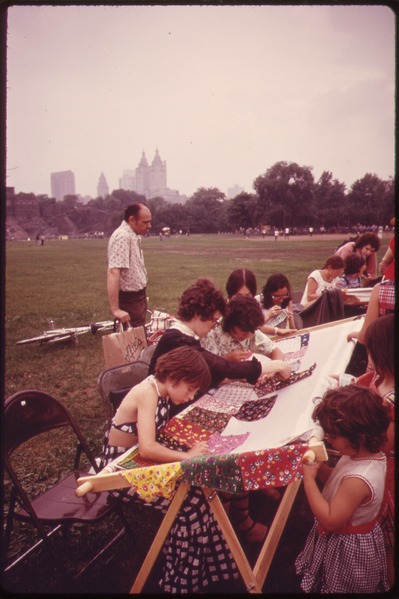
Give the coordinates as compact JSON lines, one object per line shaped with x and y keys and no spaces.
{"x":224,"y":92}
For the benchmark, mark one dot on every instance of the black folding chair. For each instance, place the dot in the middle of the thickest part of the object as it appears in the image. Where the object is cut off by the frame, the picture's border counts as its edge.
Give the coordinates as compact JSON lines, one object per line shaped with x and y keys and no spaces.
{"x":50,"y":506}
{"x":114,"y":383}
{"x":147,"y":353}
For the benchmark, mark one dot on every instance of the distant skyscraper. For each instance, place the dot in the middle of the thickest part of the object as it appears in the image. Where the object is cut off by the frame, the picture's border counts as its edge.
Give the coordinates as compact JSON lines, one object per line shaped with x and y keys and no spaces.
{"x":62,"y":184}
{"x":127,"y":180}
{"x":234,"y":191}
{"x":102,"y":187}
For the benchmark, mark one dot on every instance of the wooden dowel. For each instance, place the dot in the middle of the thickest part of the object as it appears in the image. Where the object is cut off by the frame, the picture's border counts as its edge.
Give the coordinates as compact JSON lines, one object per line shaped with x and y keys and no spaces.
{"x":309,"y":457}
{"x":84,"y":489}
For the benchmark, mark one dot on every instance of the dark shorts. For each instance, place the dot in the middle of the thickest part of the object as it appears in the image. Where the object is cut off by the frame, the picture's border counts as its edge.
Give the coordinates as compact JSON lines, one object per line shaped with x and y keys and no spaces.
{"x":135,"y":303}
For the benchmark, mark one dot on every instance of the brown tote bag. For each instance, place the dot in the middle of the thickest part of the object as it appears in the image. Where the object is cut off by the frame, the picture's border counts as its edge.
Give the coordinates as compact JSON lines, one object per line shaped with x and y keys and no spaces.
{"x":124,"y":346}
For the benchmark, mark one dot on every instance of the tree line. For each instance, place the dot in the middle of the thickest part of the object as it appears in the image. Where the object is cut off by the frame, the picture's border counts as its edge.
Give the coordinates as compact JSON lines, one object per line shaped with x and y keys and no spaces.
{"x":285,"y":196}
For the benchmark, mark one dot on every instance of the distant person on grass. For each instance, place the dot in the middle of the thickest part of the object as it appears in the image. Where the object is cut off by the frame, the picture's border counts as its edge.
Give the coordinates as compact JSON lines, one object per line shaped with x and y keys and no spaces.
{"x":127,"y":274}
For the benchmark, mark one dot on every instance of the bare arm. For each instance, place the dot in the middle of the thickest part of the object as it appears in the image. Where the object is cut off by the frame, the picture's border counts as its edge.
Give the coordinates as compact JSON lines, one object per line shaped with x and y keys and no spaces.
{"x":386,"y":260}
{"x":312,"y":290}
{"x":337,"y":513}
{"x":149,"y":448}
{"x":113,"y":281}
{"x":276,"y":354}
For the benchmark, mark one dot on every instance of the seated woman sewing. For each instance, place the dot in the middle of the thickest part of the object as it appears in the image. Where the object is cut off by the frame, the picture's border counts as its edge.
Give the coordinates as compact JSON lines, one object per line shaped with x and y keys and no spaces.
{"x":200,"y":307}
{"x":238,"y":337}
{"x":322,"y":279}
{"x":195,"y":550}
{"x":278,"y":308}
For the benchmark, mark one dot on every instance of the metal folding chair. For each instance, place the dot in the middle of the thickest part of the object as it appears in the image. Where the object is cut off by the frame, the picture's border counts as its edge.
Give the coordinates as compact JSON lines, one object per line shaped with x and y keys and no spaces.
{"x":147,"y":353}
{"x":51,"y":505}
{"x":114,"y":383}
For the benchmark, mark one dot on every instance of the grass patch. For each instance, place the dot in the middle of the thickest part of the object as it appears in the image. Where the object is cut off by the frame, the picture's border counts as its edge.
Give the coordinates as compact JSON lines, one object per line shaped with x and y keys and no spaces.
{"x":65,"y":281}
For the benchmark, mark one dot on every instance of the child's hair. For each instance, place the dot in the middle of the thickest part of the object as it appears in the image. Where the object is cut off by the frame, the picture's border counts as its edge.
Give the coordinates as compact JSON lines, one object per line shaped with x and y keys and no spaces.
{"x":273,"y":284}
{"x":354,"y":263}
{"x":379,"y":342}
{"x":201,"y":299}
{"x":238,"y":278}
{"x":356,"y":413}
{"x":244,"y":312}
{"x":184,"y":364}
{"x":335,"y":262}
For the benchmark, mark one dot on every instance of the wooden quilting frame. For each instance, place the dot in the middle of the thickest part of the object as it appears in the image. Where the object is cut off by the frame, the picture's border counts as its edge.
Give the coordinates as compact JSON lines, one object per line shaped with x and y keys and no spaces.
{"x":253,"y":577}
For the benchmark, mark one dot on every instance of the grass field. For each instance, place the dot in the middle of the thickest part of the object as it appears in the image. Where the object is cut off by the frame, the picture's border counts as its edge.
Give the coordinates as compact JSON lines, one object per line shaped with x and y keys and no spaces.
{"x":65,"y":281}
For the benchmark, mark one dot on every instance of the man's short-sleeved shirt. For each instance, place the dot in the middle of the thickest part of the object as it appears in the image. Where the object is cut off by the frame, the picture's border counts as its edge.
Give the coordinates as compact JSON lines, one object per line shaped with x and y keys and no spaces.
{"x":125,"y":253}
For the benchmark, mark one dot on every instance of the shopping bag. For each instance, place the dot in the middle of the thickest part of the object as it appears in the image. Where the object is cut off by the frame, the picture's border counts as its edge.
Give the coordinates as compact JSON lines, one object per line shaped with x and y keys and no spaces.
{"x":124,"y":346}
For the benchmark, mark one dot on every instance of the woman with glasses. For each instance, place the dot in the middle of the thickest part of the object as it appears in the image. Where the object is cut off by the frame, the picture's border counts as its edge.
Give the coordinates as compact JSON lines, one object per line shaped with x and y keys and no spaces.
{"x":278,"y":309}
{"x":200,"y":307}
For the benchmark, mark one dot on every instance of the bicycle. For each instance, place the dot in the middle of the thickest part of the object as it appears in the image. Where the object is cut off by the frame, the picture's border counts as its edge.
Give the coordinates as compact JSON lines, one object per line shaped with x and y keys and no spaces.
{"x":54,"y":335}
{"x":159,"y":322}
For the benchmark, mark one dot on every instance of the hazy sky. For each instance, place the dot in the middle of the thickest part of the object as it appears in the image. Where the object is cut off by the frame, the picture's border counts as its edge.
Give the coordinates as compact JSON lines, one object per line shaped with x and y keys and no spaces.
{"x":223,"y":92}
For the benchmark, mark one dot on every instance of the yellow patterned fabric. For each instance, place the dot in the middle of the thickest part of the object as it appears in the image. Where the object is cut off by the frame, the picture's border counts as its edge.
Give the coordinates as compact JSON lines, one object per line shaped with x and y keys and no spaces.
{"x":154,"y":481}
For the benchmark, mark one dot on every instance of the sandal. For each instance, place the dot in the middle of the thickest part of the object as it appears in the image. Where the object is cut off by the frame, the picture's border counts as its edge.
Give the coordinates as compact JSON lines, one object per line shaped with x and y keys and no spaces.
{"x":251,"y":531}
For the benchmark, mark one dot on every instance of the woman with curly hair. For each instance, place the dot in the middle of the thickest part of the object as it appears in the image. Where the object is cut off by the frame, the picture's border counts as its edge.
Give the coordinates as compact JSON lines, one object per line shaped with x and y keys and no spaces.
{"x":238,"y":336}
{"x":200,"y":307}
{"x":367,"y":245}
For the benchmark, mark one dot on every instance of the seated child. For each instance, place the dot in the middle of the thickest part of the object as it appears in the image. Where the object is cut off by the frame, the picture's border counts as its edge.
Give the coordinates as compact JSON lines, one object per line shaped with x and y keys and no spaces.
{"x":344,"y":552}
{"x":355,"y":265}
{"x":178,"y":376}
{"x":195,"y":550}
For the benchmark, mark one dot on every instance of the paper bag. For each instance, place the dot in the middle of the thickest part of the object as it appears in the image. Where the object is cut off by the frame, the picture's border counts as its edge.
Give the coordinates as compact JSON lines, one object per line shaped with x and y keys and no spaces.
{"x":124,"y":347}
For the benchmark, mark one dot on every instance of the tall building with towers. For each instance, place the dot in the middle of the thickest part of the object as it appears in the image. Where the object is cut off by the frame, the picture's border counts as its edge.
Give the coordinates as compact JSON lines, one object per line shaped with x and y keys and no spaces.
{"x":149,"y":179}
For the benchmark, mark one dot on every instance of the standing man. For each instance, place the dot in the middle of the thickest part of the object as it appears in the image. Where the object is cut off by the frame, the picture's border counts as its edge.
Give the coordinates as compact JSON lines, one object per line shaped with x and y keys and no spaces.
{"x":127,"y":274}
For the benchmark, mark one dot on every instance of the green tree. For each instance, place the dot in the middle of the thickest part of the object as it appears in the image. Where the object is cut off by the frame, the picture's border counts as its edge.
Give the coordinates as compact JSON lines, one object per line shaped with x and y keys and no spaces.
{"x":241,"y":211}
{"x":172,"y":215}
{"x":127,"y":197}
{"x":386,"y":209}
{"x":330,"y":201}
{"x":70,"y":201}
{"x":205,"y":210}
{"x":365,"y":198}
{"x":285,"y":194}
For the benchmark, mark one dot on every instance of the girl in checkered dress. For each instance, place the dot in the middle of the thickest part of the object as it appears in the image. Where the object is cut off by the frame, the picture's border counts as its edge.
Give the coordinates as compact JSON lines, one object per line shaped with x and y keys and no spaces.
{"x":345,"y":552}
{"x":195,"y":551}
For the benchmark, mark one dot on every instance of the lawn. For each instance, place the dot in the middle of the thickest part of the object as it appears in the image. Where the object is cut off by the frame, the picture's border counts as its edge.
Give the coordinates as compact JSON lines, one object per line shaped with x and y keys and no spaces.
{"x":64,"y":281}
